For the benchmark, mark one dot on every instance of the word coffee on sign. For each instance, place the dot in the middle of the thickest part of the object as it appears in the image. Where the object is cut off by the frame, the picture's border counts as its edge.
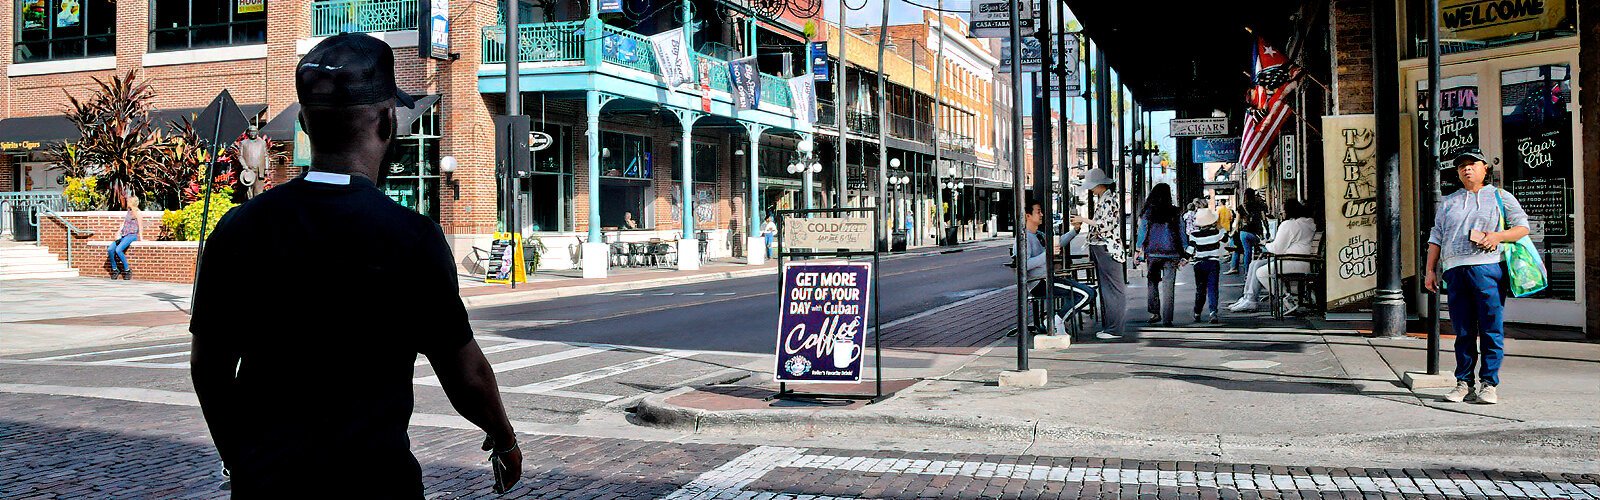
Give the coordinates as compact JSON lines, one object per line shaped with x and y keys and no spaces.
{"x":1195,"y":127}
{"x":829,"y":233}
{"x":822,"y":323}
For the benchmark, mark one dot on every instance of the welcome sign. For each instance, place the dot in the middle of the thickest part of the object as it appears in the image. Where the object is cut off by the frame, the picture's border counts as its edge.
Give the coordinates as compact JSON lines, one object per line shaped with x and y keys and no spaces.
{"x":1485,"y":19}
{"x":822,"y":322}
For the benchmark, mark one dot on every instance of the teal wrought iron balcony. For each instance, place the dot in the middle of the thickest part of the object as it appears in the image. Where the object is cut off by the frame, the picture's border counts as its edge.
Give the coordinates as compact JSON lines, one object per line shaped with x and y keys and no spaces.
{"x":332,"y":17}
{"x":565,"y":42}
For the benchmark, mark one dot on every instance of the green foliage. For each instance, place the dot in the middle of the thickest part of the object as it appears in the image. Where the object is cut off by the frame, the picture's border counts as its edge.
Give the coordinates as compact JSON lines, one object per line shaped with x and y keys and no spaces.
{"x":171,"y":225}
{"x":810,"y":30}
{"x":83,"y":193}
{"x":191,"y":215}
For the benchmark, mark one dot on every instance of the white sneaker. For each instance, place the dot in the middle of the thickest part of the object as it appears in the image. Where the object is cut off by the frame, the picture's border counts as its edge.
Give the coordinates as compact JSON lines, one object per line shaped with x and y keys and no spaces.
{"x":1460,"y":393}
{"x":1290,"y":305}
{"x":1106,"y":336}
{"x":1488,"y":395}
{"x":1243,"y":306}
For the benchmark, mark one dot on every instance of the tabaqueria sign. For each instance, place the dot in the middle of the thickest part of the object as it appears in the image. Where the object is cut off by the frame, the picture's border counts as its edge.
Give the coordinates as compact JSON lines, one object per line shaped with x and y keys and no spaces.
{"x":1197,"y":127}
{"x":992,"y":19}
{"x":822,"y":326}
{"x":1485,"y":19}
{"x":828,"y":233}
{"x":1032,"y":56}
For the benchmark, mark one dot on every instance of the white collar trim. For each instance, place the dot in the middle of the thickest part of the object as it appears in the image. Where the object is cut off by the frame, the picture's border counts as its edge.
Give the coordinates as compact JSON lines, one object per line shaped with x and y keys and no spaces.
{"x":328,"y":178}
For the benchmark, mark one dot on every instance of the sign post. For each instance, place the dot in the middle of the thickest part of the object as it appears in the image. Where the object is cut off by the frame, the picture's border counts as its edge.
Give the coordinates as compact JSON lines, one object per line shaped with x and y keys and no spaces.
{"x":825,"y":307}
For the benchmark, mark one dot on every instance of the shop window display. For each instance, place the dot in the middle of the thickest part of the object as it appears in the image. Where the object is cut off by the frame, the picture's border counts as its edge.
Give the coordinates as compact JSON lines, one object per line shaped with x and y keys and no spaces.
{"x":64,"y":29}
{"x":195,"y":24}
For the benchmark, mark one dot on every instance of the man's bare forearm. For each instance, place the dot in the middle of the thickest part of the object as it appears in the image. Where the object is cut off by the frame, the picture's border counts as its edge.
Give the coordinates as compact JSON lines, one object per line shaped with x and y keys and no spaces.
{"x":468,"y":379}
{"x":212,"y":368}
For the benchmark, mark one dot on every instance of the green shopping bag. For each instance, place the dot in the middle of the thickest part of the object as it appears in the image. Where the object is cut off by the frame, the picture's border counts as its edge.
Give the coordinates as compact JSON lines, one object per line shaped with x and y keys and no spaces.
{"x":1524,"y":269}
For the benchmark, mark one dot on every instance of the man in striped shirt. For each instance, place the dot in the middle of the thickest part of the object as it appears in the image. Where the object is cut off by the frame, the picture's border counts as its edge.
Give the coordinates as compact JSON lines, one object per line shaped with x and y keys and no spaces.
{"x":1205,"y":247}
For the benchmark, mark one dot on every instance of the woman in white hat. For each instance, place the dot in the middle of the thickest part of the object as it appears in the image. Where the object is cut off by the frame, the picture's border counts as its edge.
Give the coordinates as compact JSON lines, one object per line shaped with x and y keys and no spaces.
{"x":1105,"y":250}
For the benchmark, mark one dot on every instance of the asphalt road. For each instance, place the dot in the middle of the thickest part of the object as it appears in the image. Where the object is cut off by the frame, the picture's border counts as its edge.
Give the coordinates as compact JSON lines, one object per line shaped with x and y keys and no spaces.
{"x":738,"y":315}
{"x":564,"y":360}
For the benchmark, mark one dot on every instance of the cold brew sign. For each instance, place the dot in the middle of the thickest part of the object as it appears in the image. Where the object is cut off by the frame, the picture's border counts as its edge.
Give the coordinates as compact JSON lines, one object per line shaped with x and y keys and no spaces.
{"x":823,"y":322}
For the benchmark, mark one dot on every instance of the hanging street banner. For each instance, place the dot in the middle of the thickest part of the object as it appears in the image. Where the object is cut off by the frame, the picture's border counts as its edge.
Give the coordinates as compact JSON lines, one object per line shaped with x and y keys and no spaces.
{"x":829,"y":233}
{"x":1196,"y":127}
{"x":803,"y":98}
{"x":822,"y":322}
{"x":1032,"y":56}
{"x":745,"y":82}
{"x":672,"y":56}
{"x":1216,"y":150}
{"x":992,"y":19}
{"x":433,"y":30}
{"x":1067,"y":57}
{"x":819,"y":61}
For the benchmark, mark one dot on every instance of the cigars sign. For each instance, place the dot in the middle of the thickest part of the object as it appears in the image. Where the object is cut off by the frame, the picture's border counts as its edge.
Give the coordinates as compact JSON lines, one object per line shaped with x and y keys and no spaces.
{"x":822,"y":324}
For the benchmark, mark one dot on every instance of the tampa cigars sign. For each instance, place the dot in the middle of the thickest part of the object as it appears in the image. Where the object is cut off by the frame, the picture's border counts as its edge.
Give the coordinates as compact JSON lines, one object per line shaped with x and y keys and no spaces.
{"x":822,"y":323}
{"x":1483,"y":19}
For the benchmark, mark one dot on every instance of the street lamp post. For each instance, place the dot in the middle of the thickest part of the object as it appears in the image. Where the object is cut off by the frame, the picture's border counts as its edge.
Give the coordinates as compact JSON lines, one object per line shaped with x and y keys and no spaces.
{"x":805,"y":165}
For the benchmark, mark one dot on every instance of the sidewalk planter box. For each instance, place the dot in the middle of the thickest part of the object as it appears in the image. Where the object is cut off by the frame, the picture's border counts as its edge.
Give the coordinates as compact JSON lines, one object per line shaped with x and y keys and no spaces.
{"x":169,"y":261}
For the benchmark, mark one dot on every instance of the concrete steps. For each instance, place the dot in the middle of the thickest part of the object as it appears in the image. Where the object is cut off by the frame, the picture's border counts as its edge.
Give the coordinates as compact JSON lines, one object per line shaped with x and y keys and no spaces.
{"x":26,"y":262}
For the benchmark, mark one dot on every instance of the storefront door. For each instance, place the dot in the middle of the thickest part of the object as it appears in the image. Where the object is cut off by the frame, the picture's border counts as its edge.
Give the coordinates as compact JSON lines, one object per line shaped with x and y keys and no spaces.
{"x":1519,"y":110}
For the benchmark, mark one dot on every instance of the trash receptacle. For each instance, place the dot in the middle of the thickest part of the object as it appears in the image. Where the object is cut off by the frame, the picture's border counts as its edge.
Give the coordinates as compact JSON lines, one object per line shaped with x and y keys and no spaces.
{"x":898,"y":242}
{"x":21,"y":228}
{"x":949,"y":236}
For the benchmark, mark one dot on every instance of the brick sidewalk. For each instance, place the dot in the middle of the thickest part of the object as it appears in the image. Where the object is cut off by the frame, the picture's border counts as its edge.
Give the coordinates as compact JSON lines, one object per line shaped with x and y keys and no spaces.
{"x":66,"y":447}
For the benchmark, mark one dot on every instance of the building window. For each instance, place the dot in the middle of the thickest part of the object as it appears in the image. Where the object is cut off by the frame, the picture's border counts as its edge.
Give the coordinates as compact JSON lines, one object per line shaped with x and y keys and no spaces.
{"x":413,"y":174}
{"x":705,"y":162}
{"x":549,"y":188}
{"x":1466,"y":25}
{"x":64,"y":29}
{"x":626,"y":156}
{"x":195,"y":24}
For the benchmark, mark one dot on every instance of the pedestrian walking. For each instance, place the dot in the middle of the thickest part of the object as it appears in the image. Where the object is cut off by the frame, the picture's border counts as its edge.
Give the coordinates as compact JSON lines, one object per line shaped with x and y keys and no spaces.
{"x":1465,"y":241}
{"x":1251,"y":224}
{"x":1106,"y":251}
{"x":1225,"y":224}
{"x":1205,"y":248}
{"x":117,"y":253}
{"x":1077,"y":294}
{"x":1160,"y":244}
{"x":769,"y":231}
{"x":317,"y":402}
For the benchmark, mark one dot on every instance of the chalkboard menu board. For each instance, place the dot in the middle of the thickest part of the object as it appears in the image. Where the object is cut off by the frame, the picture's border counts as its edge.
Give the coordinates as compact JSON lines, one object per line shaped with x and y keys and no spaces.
{"x":1536,"y":138}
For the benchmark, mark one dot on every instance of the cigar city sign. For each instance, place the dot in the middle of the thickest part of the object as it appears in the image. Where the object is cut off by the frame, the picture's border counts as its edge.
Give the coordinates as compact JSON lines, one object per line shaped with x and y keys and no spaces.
{"x":1485,"y":19}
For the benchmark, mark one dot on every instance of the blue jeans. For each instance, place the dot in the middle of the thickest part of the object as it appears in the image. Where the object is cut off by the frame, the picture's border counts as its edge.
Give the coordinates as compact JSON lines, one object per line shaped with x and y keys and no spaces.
{"x":1477,"y":319}
{"x":1206,"y":272}
{"x":768,"y":249}
{"x":1160,"y":285}
{"x":1246,"y":241}
{"x":118,"y":252}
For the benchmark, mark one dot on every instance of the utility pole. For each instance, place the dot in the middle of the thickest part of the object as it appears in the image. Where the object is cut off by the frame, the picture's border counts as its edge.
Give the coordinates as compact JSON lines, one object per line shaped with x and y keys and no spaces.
{"x":1042,"y":150}
{"x":884,"y":207}
{"x":513,"y":109}
{"x":840,"y":180}
{"x":938,"y":108}
{"x":1018,"y":203}
{"x":1432,"y":177}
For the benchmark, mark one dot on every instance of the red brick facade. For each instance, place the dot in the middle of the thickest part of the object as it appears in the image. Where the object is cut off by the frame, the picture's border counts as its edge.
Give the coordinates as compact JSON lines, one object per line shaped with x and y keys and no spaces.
{"x":1352,"y":56}
{"x":171,"y":261}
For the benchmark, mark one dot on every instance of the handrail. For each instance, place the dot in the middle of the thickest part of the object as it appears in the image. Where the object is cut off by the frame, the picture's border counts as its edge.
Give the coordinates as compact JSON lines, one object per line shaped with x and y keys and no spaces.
{"x":41,"y":209}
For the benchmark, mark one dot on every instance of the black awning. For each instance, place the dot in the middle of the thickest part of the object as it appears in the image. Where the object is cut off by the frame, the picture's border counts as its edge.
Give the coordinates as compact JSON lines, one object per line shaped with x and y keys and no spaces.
{"x":281,"y":127}
{"x":31,"y":132}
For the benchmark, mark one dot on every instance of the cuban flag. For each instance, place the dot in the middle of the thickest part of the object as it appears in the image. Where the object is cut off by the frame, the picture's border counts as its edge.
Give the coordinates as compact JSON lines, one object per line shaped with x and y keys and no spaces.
{"x":1274,"y":77}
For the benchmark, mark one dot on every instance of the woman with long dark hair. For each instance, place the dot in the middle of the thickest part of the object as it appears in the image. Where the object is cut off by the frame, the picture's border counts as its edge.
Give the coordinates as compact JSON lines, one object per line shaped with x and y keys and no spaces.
{"x":1161,"y":243}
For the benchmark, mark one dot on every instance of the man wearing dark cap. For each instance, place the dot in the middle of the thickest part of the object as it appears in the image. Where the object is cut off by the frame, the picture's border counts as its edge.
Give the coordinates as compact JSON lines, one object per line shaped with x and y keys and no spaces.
{"x":314,"y":399}
{"x":1468,"y":229}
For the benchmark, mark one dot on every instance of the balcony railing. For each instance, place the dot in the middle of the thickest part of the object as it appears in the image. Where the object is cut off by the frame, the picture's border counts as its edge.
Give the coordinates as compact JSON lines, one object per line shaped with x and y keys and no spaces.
{"x":908,"y":128}
{"x":858,"y":122}
{"x":562,"y":41}
{"x":332,"y":17}
{"x":956,"y":142}
{"x":565,"y":41}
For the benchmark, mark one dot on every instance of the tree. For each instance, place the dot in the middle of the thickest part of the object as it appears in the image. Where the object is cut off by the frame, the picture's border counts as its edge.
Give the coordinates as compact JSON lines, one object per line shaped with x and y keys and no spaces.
{"x":118,"y":144}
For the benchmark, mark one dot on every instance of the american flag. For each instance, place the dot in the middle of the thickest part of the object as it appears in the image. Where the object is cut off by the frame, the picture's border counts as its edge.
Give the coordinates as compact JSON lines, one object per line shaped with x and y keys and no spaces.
{"x":1265,"y":119}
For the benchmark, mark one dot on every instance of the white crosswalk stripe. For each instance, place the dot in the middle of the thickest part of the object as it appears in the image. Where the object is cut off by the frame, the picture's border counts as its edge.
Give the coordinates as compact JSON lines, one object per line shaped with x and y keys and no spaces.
{"x":547,"y":386}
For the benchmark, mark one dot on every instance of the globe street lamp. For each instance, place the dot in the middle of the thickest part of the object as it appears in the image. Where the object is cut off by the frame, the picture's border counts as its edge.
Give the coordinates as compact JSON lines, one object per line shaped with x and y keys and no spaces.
{"x":807,"y":165}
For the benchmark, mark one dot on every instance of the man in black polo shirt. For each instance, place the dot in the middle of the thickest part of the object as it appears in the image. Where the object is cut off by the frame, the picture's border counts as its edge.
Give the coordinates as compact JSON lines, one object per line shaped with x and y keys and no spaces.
{"x":313,"y":397}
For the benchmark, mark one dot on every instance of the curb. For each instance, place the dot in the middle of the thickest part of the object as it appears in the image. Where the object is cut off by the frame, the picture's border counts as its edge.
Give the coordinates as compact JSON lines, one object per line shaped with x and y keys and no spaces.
{"x":1561,"y":442}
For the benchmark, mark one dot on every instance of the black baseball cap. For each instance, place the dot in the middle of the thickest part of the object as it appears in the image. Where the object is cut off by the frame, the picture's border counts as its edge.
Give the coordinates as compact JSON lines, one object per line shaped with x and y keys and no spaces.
{"x":348,"y":69}
{"x":1467,"y":157}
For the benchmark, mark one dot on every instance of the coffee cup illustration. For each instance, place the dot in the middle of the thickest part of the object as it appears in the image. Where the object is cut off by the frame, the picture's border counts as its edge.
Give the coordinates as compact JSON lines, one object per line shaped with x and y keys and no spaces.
{"x":845,"y":351}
